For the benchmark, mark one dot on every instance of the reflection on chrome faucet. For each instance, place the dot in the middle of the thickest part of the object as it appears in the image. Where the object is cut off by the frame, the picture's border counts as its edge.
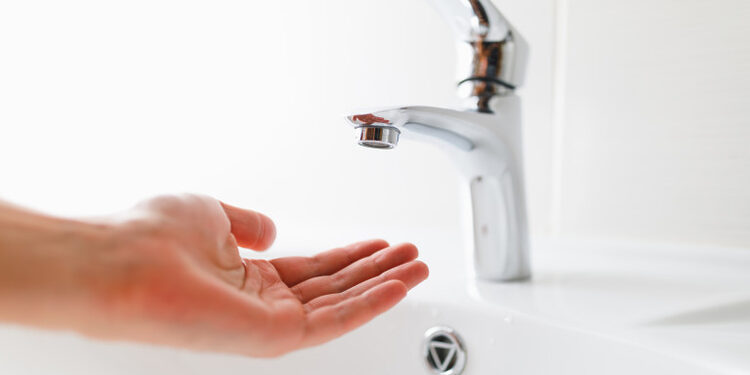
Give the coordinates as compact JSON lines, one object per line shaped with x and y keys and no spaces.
{"x":484,"y":139}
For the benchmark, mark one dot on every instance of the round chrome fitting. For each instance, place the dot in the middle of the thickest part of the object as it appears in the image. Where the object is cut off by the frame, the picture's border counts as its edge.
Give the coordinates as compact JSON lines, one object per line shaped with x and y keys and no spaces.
{"x":382,"y":137}
{"x":443,"y":351}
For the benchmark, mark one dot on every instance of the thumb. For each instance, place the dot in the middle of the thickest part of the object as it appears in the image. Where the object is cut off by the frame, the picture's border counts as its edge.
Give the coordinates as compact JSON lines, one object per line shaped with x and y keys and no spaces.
{"x":252,"y":230}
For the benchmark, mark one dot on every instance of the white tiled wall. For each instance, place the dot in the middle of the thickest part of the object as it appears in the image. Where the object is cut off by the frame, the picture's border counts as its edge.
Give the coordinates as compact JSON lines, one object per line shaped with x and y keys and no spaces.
{"x":656,"y":120}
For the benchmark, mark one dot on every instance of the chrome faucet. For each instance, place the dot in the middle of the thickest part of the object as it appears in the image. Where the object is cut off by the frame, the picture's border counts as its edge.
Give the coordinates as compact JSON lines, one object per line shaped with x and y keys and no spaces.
{"x":484,"y":139}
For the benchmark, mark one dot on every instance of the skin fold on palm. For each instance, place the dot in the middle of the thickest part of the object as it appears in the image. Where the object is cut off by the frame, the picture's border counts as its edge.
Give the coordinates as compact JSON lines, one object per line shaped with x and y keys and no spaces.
{"x":188,"y":286}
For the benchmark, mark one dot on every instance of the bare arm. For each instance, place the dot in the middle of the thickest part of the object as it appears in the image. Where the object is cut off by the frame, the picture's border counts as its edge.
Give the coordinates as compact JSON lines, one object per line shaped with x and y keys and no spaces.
{"x":44,"y":263}
{"x":169,"y":272}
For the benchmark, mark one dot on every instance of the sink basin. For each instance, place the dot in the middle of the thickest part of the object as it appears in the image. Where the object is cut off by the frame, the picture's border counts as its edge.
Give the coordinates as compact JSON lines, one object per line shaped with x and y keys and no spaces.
{"x":592,"y":308}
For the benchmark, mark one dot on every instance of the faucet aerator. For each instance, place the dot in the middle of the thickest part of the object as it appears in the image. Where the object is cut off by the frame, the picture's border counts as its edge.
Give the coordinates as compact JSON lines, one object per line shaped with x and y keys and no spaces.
{"x":380,"y":137}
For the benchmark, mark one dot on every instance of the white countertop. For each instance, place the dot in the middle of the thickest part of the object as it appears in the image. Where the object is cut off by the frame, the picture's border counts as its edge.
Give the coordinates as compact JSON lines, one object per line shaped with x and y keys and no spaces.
{"x":687,"y":302}
{"x":685,"y":305}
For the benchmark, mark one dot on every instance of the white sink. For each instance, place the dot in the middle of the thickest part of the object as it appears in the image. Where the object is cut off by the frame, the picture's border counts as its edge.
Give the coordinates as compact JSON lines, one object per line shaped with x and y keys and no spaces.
{"x":590,"y":309}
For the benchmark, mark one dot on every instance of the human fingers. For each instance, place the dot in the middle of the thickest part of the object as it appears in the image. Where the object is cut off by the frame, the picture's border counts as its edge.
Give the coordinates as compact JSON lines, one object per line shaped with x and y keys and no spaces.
{"x":294,"y":270}
{"x":411,"y":274}
{"x":357,"y":272}
{"x":252,"y":230}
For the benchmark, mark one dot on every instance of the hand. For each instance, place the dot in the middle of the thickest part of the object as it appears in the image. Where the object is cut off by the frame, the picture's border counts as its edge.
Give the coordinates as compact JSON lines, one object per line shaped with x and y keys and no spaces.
{"x":180,"y":281}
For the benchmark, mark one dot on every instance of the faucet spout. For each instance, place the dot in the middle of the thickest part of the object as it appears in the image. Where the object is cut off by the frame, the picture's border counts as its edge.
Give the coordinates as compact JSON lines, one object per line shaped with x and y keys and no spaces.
{"x":487,"y":150}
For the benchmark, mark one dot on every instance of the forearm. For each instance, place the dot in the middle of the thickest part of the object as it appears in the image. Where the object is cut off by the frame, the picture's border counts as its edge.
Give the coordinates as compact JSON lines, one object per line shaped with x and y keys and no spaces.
{"x":47,"y":267}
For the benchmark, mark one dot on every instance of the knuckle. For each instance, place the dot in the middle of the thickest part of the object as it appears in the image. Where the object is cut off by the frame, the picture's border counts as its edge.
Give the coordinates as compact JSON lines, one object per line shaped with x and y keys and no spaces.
{"x":338,"y":280}
{"x":376,"y":264}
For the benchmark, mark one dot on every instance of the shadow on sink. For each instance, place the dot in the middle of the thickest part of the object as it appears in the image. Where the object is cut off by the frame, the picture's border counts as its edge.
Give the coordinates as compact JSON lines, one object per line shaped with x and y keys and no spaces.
{"x":735,"y":312}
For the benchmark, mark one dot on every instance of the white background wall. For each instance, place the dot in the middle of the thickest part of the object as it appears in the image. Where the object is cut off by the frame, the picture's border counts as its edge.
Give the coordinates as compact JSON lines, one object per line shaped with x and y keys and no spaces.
{"x":105,"y":103}
{"x":636,"y":113}
{"x":657,"y":121}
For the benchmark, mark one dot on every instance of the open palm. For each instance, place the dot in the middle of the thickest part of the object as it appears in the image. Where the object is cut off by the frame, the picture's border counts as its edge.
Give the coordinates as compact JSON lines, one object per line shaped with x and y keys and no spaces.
{"x":316,"y":299}
{"x":198,"y":292}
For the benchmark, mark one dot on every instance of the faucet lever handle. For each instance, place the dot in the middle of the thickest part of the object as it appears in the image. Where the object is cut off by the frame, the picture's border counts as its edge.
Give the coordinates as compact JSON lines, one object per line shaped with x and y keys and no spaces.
{"x":473,"y":20}
{"x":492,"y":50}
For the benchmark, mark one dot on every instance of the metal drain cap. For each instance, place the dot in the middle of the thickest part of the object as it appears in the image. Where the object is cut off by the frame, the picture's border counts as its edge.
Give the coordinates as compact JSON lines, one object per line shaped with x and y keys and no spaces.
{"x":443,"y":351}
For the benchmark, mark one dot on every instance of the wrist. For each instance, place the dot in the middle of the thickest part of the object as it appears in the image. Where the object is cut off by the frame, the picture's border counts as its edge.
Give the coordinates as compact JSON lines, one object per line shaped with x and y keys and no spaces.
{"x":49,"y":267}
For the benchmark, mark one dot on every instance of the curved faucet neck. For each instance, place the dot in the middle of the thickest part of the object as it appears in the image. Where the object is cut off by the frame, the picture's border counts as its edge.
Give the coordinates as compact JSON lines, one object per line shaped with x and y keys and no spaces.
{"x":487,"y":150}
